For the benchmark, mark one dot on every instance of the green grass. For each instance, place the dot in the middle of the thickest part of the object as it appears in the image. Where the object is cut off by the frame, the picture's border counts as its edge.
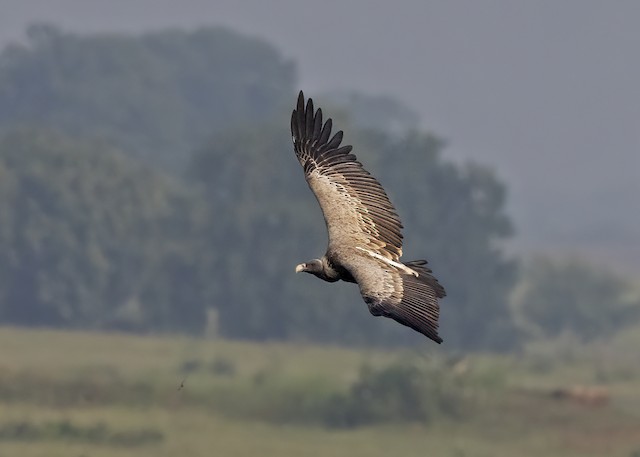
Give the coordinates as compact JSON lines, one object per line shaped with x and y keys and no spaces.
{"x":97,"y":394}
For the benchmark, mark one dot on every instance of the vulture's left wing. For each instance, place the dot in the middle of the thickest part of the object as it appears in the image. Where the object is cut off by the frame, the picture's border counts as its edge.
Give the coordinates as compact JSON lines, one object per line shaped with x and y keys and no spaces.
{"x":356,"y":208}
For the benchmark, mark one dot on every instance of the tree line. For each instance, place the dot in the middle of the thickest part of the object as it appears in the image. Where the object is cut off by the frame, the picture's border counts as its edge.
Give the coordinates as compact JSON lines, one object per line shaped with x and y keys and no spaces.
{"x":148,"y":183}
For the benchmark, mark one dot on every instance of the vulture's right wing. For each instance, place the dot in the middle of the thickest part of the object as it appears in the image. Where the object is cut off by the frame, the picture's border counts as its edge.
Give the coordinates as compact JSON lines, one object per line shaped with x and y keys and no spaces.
{"x":408,"y":299}
{"x":356,"y":208}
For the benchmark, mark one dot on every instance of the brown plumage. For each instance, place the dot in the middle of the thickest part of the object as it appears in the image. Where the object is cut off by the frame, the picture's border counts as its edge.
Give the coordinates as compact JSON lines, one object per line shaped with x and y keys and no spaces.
{"x":365,"y":232}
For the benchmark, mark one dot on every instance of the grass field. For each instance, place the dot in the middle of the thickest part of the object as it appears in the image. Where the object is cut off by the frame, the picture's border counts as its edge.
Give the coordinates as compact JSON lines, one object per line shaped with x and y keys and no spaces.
{"x":72,"y":394}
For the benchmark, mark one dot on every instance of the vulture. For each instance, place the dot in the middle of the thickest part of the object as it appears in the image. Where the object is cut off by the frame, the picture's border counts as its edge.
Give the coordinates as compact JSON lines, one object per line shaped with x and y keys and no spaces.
{"x":365,"y":232}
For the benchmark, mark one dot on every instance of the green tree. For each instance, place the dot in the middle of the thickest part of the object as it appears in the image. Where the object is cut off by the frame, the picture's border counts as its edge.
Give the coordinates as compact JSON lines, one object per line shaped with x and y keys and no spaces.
{"x":454,"y":216}
{"x":157,"y":95}
{"x":262,"y":224}
{"x":570,"y":295}
{"x":90,"y":238}
{"x":268,"y":221}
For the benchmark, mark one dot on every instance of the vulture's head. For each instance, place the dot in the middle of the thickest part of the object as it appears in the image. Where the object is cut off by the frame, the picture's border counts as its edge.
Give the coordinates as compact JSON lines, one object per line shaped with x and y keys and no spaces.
{"x":312,"y":266}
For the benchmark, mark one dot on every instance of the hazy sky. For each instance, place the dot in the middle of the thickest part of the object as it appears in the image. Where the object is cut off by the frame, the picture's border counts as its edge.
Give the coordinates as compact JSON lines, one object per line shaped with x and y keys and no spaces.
{"x":548,"y":92}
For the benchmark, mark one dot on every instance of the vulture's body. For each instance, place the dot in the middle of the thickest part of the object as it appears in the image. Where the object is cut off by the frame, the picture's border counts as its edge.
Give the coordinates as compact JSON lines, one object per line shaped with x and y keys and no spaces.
{"x":365,"y":238}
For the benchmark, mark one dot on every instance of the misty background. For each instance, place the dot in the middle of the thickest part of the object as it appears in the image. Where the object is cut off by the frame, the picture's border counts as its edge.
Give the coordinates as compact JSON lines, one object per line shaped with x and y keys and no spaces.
{"x":545,"y":92}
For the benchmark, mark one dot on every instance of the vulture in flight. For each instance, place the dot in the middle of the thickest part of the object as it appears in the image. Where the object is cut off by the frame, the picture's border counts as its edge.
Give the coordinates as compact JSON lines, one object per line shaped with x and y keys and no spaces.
{"x":365,"y":239}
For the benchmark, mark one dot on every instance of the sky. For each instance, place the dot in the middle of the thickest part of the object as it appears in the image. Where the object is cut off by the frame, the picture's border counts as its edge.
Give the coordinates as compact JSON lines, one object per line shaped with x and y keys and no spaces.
{"x":547,"y":92}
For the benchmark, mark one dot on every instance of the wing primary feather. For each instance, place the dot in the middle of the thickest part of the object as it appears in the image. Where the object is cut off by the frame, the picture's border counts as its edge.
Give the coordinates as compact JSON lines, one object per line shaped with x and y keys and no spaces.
{"x":294,"y":127}
{"x":317,"y":125}
{"x":309,"y":120}
{"x":335,"y":141}
{"x":299,"y":115}
{"x":326,"y":132}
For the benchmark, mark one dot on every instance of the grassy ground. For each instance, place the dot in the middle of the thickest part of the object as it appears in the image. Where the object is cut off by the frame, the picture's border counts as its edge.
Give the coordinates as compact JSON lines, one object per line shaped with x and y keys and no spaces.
{"x":87,"y":394}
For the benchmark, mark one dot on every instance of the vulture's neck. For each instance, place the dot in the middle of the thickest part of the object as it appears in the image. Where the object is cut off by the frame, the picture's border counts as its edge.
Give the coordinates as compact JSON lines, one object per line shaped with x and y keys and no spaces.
{"x":329,"y":272}
{"x":333,"y":272}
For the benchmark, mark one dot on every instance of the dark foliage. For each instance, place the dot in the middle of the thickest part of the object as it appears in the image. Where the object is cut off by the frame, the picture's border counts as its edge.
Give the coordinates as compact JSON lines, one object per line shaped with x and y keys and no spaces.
{"x":570,"y":296}
{"x":89,"y":238}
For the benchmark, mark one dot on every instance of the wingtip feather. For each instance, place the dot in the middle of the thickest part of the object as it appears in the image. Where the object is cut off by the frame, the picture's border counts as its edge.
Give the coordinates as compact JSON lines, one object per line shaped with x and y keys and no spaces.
{"x":308,"y":116}
{"x":300,"y":104}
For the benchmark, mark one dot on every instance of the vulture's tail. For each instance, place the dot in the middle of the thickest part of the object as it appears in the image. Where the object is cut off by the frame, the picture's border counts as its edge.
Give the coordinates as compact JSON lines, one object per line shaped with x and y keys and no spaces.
{"x":419,"y":308}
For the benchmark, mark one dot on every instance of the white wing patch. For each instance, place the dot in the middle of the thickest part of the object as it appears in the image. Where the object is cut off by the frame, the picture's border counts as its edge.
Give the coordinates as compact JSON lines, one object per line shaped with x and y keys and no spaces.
{"x":397,"y":265}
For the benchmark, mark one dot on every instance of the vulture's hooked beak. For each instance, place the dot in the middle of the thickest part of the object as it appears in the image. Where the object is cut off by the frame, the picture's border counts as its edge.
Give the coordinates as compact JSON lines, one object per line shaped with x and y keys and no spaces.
{"x":300,"y":267}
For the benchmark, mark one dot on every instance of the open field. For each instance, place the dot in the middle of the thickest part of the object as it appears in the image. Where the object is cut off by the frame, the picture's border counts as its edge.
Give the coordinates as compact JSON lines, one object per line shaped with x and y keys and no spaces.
{"x":89,"y":394}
